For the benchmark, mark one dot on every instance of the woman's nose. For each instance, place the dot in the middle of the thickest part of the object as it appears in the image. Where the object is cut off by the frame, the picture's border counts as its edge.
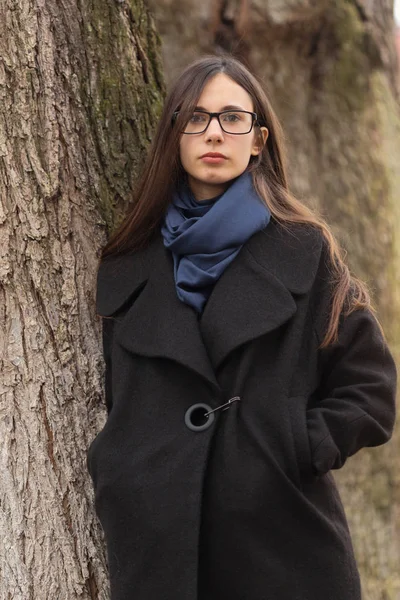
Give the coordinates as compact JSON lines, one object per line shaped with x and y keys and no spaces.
{"x":214,"y":130}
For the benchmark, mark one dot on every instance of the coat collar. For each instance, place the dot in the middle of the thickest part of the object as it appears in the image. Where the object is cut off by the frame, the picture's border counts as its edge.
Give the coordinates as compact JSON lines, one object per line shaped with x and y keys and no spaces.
{"x":254,"y":295}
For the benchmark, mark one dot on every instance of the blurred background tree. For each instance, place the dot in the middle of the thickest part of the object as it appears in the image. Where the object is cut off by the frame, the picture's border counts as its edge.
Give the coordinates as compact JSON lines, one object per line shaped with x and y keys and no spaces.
{"x":331,"y":70}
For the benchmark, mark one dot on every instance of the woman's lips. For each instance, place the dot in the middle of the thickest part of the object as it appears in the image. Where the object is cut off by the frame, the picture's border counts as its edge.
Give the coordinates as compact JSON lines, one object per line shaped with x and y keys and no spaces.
{"x":213,"y":159}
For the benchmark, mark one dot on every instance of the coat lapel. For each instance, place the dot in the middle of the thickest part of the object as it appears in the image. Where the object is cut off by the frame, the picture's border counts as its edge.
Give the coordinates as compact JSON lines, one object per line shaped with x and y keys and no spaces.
{"x":157,"y":324}
{"x":254,"y":295}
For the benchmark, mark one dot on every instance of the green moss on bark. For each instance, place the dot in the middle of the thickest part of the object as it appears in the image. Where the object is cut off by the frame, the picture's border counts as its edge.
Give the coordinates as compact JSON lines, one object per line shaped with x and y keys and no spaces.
{"x":123,"y":93}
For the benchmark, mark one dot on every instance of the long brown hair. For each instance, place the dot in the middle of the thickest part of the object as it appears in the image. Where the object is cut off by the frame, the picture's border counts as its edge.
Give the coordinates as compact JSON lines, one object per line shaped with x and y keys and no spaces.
{"x":163,"y":170}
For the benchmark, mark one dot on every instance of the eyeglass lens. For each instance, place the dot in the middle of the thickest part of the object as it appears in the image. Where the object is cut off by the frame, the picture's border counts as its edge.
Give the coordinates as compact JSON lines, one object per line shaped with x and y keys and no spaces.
{"x":231,"y":122}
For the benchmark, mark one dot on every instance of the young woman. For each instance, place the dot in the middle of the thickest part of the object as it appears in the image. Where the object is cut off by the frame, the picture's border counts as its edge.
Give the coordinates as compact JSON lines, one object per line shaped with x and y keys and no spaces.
{"x":243,"y":364}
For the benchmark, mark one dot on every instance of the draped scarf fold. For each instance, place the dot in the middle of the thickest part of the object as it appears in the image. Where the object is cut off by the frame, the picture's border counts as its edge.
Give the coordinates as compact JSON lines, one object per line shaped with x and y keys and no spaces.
{"x":205,"y":236}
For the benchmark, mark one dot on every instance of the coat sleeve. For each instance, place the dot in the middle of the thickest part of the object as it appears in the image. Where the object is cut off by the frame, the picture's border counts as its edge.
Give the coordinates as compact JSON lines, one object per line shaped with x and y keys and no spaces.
{"x":354,"y":405}
{"x":107,"y":336}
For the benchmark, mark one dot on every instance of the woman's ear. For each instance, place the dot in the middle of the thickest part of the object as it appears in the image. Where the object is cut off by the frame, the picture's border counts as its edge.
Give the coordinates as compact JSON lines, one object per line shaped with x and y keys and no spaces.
{"x":259,"y":140}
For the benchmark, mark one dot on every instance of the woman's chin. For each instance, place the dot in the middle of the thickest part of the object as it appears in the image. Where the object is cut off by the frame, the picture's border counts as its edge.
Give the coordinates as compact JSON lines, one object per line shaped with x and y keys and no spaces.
{"x":214,"y":176}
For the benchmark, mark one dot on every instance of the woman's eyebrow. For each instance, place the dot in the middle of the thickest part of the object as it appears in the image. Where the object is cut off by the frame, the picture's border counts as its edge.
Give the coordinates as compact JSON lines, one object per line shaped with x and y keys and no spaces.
{"x":228,"y":107}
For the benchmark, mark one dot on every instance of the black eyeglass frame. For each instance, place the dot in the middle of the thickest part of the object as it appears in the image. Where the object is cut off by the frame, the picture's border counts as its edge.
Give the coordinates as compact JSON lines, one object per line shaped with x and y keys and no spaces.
{"x":218,"y":114}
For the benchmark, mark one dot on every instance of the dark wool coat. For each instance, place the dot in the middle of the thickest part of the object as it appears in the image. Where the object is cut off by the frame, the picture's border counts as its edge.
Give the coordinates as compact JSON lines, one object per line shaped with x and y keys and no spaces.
{"x":240,"y":504}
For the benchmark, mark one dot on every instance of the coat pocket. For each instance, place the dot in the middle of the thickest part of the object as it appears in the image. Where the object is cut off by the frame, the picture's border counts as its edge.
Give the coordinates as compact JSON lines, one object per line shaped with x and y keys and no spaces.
{"x":297,"y":406}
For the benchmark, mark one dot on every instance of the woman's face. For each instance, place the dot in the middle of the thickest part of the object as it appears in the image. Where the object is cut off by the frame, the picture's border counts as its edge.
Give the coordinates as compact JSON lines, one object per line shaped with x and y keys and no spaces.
{"x":206,"y":179}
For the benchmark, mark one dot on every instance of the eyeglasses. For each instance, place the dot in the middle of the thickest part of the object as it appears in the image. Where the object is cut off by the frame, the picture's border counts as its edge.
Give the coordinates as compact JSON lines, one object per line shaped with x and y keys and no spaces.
{"x":237,"y":122}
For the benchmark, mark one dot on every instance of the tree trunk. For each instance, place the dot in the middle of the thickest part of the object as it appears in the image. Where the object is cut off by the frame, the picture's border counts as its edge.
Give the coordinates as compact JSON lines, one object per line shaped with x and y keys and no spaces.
{"x":81,"y":89}
{"x":331,"y":71}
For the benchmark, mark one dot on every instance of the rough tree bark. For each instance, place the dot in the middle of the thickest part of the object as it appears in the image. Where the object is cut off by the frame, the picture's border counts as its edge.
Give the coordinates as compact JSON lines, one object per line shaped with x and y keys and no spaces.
{"x":81,"y":89}
{"x":330,"y":68}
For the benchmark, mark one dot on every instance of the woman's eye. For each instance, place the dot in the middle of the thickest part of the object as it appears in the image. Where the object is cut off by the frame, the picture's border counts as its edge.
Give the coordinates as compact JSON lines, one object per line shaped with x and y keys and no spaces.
{"x":232,"y":117}
{"x":197,"y":118}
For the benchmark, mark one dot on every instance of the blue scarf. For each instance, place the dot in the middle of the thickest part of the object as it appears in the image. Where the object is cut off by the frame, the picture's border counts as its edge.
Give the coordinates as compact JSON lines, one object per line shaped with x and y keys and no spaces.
{"x":205,"y":236}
